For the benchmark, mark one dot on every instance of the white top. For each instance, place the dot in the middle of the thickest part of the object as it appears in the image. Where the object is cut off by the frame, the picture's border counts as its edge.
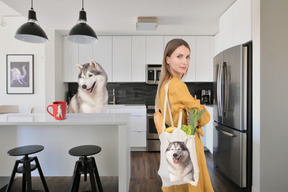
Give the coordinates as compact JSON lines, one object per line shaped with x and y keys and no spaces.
{"x":71,"y":119}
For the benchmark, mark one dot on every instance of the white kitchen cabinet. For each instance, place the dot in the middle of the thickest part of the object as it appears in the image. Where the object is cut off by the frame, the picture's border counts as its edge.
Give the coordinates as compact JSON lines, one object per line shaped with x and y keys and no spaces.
{"x":190,"y":76}
{"x":154,"y":49}
{"x":74,"y":53}
{"x":201,"y":61}
{"x":209,"y":131}
{"x":138,"y":123}
{"x":242,"y":31}
{"x":166,"y":39}
{"x":204,"y":59}
{"x":70,"y":58}
{"x":138,"y":130}
{"x":122,"y":59}
{"x":85,"y":53}
{"x":138,"y":139}
{"x":138,"y":58}
{"x":234,"y":26}
{"x":102,"y":53}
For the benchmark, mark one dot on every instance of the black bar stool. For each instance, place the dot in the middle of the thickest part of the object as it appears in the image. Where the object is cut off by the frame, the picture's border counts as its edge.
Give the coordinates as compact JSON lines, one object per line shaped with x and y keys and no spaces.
{"x":85,"y":165}
{"x":27,"y":167}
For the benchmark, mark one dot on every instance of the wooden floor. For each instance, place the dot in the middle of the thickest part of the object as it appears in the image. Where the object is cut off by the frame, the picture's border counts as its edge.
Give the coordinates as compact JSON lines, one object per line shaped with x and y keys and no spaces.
{"x":144,"y":177}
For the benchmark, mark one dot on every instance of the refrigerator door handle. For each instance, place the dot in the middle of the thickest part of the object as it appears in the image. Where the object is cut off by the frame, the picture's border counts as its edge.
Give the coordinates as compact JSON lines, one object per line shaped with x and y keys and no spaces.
{"x":244,"y":94}
{"x":155,"y":75}
{"x":225,"y":132}
{"x":226,"y":89}
{"x":219,"y":90}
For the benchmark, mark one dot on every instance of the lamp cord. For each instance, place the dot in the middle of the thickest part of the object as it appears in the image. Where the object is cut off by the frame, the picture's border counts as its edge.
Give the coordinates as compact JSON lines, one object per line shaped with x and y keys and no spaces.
{"x":82,"y":4}
{"x":31,"y":4}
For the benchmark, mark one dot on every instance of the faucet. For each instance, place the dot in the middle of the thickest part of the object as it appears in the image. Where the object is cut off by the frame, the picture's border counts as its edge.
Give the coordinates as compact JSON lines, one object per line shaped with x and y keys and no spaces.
{"x":114,"y":98}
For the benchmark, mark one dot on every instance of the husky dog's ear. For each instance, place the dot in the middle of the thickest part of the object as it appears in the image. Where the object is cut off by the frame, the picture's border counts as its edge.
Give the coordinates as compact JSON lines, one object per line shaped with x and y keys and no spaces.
{"x":168,"y":140}
{"x":93,"y":63}
{"x":79,"y":66}
{"x":185,"y":142}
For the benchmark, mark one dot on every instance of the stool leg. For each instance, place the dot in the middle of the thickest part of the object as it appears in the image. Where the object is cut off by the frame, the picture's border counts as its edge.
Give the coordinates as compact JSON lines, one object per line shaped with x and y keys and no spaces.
{"x":41,"y":174}
{"x":23,"y":182}
{"x":85,"y":164}
{"x":92,"y":179}
{"x":8,"y":189}
{"x":97,"y":175}
{"x":77,"y":182}
{"x":27,"y":171}
{"x":75,"y":177}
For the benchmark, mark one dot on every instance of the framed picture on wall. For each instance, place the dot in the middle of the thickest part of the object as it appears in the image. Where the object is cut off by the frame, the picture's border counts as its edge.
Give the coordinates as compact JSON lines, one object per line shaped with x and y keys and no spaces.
{"x":20,"y":74}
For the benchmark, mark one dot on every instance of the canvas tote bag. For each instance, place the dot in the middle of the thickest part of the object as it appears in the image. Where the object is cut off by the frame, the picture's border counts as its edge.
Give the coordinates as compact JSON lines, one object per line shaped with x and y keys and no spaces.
{"x":178,"y":160}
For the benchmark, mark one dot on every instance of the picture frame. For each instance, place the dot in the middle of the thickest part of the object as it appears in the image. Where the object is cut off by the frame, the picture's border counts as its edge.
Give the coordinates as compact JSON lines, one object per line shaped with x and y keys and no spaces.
{"x":20,"y":74}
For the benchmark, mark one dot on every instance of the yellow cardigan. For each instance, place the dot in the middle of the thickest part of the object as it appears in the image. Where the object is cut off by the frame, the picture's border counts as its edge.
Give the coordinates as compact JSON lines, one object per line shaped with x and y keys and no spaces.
{"x":179,"y":99}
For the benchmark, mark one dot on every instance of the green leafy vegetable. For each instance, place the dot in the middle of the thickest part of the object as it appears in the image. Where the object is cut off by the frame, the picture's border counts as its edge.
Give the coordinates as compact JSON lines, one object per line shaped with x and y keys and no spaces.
{"x":193,"y":118}
{"x":187,"y":129}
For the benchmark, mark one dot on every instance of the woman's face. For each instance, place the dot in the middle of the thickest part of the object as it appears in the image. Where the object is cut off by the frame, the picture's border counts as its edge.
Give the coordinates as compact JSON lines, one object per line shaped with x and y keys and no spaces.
{"x":179,"y":61}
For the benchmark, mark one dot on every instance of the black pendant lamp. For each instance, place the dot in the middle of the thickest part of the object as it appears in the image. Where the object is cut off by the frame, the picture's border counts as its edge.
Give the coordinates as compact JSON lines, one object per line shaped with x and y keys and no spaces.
{"x":31,"y":32}
{"x":81,"y":32}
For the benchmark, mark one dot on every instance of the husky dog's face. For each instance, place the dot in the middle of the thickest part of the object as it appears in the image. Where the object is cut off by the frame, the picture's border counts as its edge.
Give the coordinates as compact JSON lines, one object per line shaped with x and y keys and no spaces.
{"x":177,"y":152}
{"x":90,"y":74}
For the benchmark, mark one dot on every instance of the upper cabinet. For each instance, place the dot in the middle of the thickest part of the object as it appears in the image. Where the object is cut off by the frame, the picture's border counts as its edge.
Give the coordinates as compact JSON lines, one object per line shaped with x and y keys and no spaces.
{"x":85,"y":53}
{"x":124,"y":57}
{"x":74,"y":53}
{"x":234,"y":26}
{"x":191,"y":73}
{"x":154,"y":49}
{"x":70,"y":58}
{"x":102,"y":54}
{"x":204,"y":59}
{"x":166,"y":39}
{"x":138,"y":58}
{"x":201,"y":59}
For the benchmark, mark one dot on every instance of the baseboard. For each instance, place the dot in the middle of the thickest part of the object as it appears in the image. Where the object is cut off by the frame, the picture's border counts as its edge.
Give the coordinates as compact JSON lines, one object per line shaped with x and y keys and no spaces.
{"x":138,"y":149}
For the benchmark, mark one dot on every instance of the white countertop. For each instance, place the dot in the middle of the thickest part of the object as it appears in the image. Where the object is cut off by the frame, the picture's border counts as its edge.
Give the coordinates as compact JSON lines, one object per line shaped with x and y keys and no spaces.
{"x":71,"y":119}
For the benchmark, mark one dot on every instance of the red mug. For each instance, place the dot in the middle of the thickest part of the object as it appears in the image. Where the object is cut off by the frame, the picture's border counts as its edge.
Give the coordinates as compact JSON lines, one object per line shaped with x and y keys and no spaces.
{"x":59,"y":110}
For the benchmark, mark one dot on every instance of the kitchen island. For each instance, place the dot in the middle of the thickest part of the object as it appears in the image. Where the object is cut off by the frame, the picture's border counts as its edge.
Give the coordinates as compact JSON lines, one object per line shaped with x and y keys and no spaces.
{"x":108,"y":130}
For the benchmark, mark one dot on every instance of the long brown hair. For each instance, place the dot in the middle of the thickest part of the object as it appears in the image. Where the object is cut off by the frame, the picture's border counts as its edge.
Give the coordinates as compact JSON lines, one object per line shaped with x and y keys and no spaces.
{"x":166,"y":74}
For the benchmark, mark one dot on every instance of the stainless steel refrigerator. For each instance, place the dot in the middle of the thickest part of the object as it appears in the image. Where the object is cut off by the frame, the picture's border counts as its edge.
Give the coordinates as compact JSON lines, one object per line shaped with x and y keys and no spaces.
{"x":232,"y":110}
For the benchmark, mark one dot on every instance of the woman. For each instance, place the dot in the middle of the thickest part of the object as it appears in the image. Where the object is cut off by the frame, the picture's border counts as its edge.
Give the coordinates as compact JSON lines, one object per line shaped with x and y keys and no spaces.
{"x":175,"y":64}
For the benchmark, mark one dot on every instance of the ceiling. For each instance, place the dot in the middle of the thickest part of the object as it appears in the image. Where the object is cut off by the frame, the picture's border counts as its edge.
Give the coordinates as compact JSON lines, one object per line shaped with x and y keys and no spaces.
{"x":119,"y":17}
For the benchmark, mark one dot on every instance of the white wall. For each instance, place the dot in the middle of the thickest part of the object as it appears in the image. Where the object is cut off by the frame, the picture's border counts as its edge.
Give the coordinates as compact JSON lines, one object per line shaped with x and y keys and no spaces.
{"x":54,"y":87}
{"x":273,"y":94}
{"x":9,"y":45}
{"x":256,"y":95}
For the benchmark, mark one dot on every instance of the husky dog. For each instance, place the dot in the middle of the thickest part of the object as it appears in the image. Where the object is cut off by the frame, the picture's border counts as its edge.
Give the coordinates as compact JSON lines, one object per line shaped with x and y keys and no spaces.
{"x":92,"y":95}
{"x":17,"y":76}
{"x":59,"y":111}
{"x":180,"y":166}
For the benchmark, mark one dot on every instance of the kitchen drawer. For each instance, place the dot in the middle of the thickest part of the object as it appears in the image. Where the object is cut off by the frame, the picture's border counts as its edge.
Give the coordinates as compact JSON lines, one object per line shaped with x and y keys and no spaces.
{"x":138,"y":139}
{"x":138,"y":123}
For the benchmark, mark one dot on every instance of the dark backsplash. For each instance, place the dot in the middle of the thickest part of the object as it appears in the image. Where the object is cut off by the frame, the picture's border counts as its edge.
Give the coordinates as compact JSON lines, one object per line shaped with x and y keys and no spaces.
{"x":137,"y":93}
